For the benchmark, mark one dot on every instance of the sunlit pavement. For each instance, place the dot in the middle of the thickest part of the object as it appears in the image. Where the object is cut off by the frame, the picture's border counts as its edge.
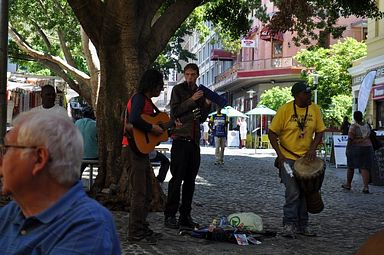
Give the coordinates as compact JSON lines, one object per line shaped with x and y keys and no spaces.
{"x":248,"y":182}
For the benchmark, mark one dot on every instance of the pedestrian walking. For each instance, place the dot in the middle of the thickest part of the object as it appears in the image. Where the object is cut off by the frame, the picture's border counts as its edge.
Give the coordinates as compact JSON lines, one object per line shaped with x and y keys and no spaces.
{"x":206,"y":133}
{"x":218,"y":124}
{"x":139,"y":170}
{"x":296,"y":131}
{"x":359,"y":151}
{"x":243,"y":132}
{"x":186,"y":99}
{"x":345,"y":126}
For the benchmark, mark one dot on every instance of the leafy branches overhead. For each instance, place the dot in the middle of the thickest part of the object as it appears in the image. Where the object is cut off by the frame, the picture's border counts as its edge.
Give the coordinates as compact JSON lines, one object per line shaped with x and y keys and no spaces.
{"x":48,"y":26}
{"x":331,"y":65}
{"x":304,"y":16}
{"x":275,"y":97}
{"x":219,"y":12}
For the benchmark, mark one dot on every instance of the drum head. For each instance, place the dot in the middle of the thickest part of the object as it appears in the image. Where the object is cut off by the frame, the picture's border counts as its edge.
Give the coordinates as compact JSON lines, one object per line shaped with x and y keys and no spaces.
{"x":306,"y":168}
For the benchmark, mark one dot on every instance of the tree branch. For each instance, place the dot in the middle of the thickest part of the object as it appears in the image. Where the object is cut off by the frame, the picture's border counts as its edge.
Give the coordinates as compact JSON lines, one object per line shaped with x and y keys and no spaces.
{"x":67,"y":53}
{"x":90,"y":14}
{"x":43,"y":35}
{"x":78,"y":75}
{"x":167,"y":24}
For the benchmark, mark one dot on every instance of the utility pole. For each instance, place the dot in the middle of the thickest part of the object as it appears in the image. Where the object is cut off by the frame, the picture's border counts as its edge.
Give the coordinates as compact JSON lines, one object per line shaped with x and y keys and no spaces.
{"x":3,"y":67}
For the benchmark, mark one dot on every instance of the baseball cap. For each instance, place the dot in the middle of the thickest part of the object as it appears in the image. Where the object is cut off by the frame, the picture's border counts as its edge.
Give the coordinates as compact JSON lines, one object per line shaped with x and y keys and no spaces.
{"x":299,"y":87}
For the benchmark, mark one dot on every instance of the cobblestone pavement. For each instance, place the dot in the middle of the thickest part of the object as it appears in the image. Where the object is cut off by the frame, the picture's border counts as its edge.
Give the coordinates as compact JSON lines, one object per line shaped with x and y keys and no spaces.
{"x":248,"y":182}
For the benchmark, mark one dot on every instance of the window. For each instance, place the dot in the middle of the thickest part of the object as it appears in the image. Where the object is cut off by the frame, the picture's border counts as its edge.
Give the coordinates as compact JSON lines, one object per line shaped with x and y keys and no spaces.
{"x":277,"y":50}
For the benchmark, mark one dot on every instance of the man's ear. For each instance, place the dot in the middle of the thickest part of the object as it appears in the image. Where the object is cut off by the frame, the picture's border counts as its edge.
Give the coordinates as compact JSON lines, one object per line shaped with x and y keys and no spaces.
{"x":42,"y":158}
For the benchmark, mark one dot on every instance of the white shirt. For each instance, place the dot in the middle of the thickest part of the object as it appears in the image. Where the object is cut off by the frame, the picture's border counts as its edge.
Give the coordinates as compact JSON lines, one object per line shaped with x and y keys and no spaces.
{"x":243,"y":127}
{"x":55,"y":109}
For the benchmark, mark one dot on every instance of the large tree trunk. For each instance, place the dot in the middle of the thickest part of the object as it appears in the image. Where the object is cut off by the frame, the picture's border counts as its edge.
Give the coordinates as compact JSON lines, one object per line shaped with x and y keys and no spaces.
{"x":128,"y":36}
{"x":120,"y":66}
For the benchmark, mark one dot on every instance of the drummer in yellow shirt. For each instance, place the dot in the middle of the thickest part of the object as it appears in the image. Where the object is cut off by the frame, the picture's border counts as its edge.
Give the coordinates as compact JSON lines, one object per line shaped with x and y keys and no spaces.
{"x":296,"y":131}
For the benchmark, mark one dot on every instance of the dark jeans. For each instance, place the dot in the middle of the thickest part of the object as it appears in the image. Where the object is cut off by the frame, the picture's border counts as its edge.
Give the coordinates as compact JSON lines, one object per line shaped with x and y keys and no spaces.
{"x":139,"y":177}
{"x":164,"y":165}
{"x":185,"y":163}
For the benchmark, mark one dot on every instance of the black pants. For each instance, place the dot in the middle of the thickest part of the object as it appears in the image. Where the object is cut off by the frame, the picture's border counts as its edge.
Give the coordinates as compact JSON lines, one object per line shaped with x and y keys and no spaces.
{"x":185,"y":163}
{"x":164,"y":165}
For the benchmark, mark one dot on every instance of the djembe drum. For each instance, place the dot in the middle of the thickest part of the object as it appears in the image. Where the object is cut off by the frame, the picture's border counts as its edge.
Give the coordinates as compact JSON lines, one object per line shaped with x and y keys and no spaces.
{"x":309,"y":176}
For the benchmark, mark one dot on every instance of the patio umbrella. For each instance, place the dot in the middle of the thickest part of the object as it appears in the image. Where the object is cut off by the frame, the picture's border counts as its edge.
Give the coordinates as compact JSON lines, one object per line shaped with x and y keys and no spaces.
{"x":261,"y":110}
{"x":231,"y":112}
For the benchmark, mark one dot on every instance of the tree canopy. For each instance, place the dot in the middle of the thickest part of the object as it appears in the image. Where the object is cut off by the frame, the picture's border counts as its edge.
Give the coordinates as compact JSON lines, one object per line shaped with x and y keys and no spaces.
{"x":332,"y":67}
{"x":275,"y":97}
{"x":304,"y":17}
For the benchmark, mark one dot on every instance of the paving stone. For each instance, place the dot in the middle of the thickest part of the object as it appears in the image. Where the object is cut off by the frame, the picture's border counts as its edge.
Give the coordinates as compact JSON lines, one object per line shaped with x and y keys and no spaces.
{"x":248,"y":182}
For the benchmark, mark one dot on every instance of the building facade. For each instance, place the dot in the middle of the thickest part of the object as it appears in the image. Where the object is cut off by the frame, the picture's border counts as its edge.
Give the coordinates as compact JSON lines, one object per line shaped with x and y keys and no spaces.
{"x":374,"y":61}
{"x":264,"y":61}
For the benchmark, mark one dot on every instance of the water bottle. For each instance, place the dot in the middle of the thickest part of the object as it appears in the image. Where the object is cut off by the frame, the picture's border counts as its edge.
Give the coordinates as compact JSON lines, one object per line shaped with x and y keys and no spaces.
{"x":288,"y":169}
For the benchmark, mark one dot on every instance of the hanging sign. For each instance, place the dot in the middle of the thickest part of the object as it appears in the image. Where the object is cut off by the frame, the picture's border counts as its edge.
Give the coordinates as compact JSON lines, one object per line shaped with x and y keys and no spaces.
{"x":247,"y":43}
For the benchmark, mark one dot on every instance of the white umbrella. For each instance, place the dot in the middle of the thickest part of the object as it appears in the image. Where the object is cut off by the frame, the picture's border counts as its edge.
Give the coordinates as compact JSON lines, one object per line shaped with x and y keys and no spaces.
{"x":231,"y":112}
{"x":261,"y":110}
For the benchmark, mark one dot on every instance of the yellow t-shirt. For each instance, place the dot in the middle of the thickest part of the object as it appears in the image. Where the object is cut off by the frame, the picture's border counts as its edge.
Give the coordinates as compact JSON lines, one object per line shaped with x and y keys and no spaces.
{"x":285,"y":125}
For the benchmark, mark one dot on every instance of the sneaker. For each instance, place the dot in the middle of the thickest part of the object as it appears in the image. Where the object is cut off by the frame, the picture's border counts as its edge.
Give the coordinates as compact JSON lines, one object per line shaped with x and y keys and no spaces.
{"x":217,"y":162}
{"x":306,"y":231}
{"x":289,"y":231}
{"x":171,"y":222}
{"x":186,"y":222}
{"x":151,"y":240}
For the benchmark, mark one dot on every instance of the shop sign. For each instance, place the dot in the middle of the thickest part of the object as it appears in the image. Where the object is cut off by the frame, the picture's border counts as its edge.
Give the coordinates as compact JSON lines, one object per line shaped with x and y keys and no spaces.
{"x":247,"y":43}
{"x":359,"y":79}
{"x":378,"y":92}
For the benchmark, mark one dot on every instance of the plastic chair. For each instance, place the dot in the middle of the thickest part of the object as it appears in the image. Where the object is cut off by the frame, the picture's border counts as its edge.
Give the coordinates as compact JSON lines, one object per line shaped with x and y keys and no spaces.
{"x":265,"y":142}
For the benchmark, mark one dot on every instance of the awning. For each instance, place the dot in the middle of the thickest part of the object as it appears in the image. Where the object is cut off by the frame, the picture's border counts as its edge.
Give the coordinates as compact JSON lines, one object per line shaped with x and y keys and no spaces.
{"x":219,"y":54}
{"x":268,"y":35}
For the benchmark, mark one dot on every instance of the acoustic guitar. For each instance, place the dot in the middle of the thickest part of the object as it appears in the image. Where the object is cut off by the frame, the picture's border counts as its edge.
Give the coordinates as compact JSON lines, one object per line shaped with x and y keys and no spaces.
{"x":147,"y":141}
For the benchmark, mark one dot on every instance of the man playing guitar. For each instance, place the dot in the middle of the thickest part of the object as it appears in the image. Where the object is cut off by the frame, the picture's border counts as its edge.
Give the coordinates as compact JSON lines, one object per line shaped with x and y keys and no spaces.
{"x":139,"y":172}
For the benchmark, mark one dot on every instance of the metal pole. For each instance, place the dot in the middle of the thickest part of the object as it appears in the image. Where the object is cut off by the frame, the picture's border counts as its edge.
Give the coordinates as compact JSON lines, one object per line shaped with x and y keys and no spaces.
{"x":3,"y":66}
{"x":315,"y":83}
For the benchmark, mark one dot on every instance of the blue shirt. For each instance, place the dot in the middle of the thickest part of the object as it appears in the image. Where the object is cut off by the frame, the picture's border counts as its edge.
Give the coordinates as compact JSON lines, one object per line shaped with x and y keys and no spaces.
{"x":219,"y":125}
{"x":88,"y":130}
{"x":75,"y":224}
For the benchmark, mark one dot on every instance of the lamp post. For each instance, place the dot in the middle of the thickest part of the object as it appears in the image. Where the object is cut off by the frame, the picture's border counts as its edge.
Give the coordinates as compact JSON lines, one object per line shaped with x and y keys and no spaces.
{"x":251,"y":92}
{"x":315,"y":83}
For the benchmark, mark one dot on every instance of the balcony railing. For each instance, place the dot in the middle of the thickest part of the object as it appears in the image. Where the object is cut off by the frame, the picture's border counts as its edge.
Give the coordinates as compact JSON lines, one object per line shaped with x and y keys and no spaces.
{"x":254,"y":65}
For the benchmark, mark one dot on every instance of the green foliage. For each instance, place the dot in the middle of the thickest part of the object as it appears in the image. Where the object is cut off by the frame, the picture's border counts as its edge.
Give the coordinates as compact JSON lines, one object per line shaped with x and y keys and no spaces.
{"x":332,"y":64}
{"x":39,"y":23}
{"x":304,"y":17}
{"x":275,"y":97}
{"x":221,"y":11}
{"x":341,"y":106}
